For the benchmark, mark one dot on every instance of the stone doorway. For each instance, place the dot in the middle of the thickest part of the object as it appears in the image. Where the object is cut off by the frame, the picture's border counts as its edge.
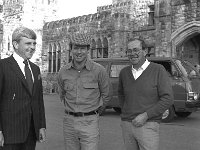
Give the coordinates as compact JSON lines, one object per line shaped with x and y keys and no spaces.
{"x":186,"y":42}
{"x":189,"y":49}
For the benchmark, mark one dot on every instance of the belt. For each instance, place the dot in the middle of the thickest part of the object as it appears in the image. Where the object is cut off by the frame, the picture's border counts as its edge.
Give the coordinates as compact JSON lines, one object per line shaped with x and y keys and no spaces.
{"x":81,"y":114}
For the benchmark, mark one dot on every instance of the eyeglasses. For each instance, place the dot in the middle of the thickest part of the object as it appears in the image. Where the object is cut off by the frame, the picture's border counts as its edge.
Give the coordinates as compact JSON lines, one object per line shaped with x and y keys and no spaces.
{"x":133,"y":51}
{"x":81,"y":49}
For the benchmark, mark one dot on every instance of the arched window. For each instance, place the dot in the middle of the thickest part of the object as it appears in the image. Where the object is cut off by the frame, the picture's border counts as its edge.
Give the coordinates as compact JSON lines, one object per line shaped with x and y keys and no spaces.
{"x":50,"y":58}
{"x":54,"y":57}
{"x":8,"y":44}
{"x":70,"y":53}
{"x":58,"y":57}
{"x":99,"y":49}
{"x":93,"y":49}
{"x":105,"y":48}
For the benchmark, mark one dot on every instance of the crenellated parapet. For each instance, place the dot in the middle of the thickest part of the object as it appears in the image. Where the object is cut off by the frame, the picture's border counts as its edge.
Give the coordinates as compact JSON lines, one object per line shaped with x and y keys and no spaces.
{"x":86,"y":19}
{"x":104,"y":8}
{"x":76,"y":20}
{"x":103,"y":13}
{"x":120,"y":5}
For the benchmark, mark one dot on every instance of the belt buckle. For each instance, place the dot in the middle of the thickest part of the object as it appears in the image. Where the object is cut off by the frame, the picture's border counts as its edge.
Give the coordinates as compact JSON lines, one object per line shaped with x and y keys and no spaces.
{"x":79,"y":114}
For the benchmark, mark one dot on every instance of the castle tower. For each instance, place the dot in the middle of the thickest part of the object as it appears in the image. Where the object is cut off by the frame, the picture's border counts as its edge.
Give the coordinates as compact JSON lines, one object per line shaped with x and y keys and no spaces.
{"x":137,"y":10}
{"x":12,"y":17}
{"x":32,"y":14}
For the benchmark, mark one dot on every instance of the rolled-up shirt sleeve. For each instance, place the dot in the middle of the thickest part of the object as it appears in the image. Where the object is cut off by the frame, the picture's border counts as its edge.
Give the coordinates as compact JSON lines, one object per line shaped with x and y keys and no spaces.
{"x":60,"y":86}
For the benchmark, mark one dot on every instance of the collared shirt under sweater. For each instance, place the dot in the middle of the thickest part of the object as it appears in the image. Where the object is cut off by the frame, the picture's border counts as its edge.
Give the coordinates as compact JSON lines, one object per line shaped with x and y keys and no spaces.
{"x":151,"y":92}
{"x":137,"y":72}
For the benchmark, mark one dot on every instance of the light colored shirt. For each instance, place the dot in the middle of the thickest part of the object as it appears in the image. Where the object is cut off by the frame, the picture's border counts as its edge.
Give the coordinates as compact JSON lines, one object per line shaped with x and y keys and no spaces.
{"x":21,"y":65}
{"x":85,"y":90}
{"x":136,"y":73}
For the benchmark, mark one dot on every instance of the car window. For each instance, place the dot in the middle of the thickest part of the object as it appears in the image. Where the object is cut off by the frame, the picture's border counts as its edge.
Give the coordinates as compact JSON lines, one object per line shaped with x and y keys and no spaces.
{"x":168,"y":66}
{"x":186,"y":69}
{"x":105,"y":64}
{"x":115,"y":69}
{"x":174,"y":70}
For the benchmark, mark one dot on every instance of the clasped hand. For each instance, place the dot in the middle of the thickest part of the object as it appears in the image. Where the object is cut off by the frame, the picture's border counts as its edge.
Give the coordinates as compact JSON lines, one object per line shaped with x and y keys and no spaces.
{"x":140,"y":120}
{"x":1,"y":139}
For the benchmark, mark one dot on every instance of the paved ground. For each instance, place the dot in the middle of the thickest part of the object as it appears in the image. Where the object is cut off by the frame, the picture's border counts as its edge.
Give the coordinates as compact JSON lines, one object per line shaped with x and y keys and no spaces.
{"x":54,"y":115}
{"x":181,"y":134}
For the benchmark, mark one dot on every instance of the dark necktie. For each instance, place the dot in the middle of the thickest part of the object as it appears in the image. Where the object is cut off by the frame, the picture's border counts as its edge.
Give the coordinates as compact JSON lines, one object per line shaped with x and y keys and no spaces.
{"x":28,"y":75}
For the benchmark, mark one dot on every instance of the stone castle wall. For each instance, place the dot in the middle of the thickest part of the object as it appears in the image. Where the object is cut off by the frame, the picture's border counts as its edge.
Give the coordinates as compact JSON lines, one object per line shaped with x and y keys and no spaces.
{"x":113,"y":23}
{"x":184,"y":12}
{"x":27,"y":13}
{"x":167,"y":26}
{"x":170,"y":18}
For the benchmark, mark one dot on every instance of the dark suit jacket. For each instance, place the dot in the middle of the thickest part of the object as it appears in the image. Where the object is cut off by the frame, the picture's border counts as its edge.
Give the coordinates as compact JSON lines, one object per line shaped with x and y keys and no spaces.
{"x":18,"y":104}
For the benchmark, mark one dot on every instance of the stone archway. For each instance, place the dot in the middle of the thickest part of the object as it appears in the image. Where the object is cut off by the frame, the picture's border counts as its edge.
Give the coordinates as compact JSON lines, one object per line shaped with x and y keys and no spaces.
{"x":54,"y":57}
{"x":50,"y":58}
{"x":105,"y":47}
{"x":93,"y":52}
{"x":99,"y":48}
{"x":185,"y":42}
{"x":58,"y":57}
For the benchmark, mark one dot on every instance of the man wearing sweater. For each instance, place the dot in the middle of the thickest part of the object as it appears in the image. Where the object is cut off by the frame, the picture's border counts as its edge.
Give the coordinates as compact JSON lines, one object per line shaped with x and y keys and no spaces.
{"x":145,"y":92}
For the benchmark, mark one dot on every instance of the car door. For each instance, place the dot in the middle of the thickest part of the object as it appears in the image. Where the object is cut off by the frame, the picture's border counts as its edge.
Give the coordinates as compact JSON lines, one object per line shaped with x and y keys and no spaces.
{"x":192,"y":75}
{"x":176,"y":79}
{"x":115,"y":68}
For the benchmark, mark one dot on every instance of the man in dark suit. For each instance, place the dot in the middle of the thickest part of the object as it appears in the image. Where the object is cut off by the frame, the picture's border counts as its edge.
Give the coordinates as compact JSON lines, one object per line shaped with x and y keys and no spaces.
{"x":22,"y":114}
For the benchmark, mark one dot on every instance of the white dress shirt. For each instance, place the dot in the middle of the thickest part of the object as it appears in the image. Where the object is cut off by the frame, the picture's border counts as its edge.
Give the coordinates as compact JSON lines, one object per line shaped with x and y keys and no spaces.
{"x":137,"y":73}
{"x":21,"y":64}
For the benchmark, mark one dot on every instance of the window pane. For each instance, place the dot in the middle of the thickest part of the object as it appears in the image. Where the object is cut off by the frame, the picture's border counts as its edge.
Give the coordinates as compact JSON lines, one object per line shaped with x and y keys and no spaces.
{"x":186,"y":69}
{"x":116,"y":68}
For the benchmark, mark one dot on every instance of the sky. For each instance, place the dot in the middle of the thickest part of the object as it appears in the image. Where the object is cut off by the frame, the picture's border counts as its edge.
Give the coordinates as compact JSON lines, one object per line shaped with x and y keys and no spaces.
{"x":75,"y":8}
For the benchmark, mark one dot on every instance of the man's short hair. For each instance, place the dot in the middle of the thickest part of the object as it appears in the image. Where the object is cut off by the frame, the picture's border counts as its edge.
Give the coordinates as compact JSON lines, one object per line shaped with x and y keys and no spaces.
{"x":140,"y":38}
{"x":23,"y":32}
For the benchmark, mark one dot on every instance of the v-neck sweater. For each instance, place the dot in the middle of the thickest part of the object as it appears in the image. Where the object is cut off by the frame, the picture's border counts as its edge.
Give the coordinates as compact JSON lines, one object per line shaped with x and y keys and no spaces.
{"x":151,"y":92}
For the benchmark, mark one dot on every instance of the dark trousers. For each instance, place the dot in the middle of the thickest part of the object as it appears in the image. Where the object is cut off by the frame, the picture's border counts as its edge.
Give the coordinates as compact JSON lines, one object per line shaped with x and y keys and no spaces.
{"x":29,"y":144}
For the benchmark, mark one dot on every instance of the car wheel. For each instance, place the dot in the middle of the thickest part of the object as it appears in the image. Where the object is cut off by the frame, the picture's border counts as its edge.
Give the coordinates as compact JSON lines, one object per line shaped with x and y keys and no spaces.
{"x":168,"y":115}
{"x":183,"y":114}
{"x":117,"y":109}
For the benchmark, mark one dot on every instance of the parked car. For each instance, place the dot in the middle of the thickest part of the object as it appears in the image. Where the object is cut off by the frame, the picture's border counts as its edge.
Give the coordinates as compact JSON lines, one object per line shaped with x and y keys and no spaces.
{"x":185,"y":81}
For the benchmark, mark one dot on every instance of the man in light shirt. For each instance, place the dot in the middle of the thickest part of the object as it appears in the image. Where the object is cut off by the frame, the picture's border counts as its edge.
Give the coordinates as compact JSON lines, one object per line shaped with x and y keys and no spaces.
{"x":84,"y":90}
{"x":145,"y":92}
